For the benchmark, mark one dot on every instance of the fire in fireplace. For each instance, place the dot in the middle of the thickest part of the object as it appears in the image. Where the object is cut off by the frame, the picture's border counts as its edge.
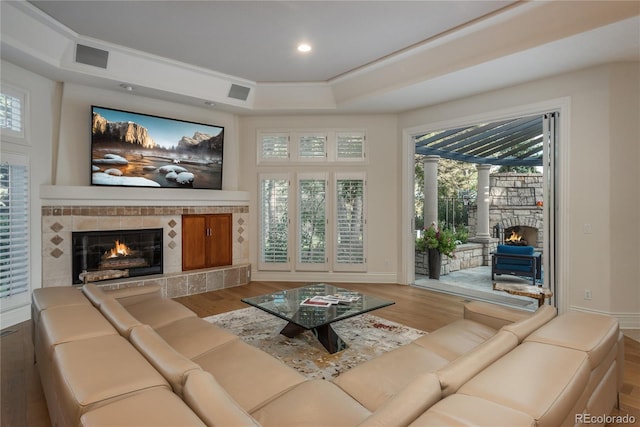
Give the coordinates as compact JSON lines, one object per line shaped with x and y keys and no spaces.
{"x":520,"y":236}
{"x":103,"y":255}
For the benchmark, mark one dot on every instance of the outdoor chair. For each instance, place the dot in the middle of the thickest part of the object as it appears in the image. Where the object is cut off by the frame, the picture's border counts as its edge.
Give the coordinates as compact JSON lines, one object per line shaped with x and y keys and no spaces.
{"x":521,"y":261}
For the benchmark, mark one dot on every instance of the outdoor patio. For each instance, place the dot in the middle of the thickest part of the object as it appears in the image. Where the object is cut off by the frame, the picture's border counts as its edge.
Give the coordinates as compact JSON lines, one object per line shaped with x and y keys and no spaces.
{"x":475,"y":283}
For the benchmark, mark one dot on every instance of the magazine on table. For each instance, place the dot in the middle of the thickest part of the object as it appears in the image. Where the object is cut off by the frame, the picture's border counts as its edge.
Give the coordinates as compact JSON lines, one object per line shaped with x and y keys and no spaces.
{"x":327,"y":300}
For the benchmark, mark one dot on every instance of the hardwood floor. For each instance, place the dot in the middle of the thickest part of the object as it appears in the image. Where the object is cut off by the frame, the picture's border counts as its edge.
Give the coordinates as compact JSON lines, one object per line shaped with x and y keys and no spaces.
{"x":23,"y":401}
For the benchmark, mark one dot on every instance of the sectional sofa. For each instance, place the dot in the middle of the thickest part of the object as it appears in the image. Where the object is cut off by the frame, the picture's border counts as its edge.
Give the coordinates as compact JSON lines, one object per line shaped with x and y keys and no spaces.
{"x":131,"y":357}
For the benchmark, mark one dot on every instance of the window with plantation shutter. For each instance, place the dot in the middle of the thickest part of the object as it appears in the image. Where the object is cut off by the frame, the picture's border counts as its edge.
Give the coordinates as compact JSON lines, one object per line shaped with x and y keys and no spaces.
{"x":350,"y":145}
{"x":14,"y":230}
{"x":312,"y":147}
{"x":273,"y":146}
{"x":312,"y":222}
{"x":12,"y":112}
{"x":350,"y":223}
{"x":274,"y":222}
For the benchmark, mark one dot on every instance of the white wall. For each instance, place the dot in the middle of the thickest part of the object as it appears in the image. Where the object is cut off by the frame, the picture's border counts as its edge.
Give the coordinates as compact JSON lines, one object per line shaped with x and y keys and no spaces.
{"x":383,"y":188}
{"x":600,"y":183}
{"x":43,"y":106}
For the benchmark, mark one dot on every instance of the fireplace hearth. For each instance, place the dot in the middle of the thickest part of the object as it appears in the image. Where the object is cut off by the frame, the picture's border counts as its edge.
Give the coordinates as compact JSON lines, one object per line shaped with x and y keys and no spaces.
{"x":103,"y":255}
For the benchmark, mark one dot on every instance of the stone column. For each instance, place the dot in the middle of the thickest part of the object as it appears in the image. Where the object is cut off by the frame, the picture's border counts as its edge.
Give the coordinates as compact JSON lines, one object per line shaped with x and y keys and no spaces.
{"x":430,"y":166}
{"x":482,"y":226}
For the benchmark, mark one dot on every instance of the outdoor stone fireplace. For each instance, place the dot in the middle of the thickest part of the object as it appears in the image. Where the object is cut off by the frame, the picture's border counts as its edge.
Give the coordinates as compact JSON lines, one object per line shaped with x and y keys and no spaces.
{"x":64,"y":215}
{"x":515,"y":207}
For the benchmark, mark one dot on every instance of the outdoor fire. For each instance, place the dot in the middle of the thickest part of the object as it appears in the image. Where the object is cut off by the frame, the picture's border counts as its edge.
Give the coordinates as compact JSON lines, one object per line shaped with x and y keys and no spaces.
{"x":514,"y":238}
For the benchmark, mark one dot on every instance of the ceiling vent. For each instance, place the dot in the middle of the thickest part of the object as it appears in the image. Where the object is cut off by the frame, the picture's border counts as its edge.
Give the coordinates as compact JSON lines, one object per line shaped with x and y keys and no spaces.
{"x":239,"y":92}
{"x":91,"y":56}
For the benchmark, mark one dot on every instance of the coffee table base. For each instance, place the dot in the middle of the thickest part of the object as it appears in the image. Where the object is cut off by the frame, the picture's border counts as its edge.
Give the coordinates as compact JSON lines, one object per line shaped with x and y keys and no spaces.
{"x":325,"y":334}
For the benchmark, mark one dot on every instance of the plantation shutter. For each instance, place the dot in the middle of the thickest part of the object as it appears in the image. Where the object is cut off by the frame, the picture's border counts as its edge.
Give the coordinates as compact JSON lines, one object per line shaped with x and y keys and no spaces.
{"x":14,"y":230}
{"x":274,"y":222}
{"x":312,"y":222}
{"x":273,"y":146}
{"x":350,"y":223}
{"x":350,"y":145}
{"x":312,"y":147}
{"x":12,"y":102}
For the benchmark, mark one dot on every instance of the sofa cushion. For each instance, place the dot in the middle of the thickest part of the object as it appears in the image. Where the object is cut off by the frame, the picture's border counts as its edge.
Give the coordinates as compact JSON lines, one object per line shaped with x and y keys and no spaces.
{"x":93,"y":371}
{"x":151,"y":408}
{"x":173,"y":366}
{"x":44,"y":298}
{"x":375,"y":381}
{"x":514,"y":250}
{"x":594,"y":334}
{"x":193,"y":336}
{"x":212,"y":403}
{"x":312,"y":403}
{"x":249,"y":375}
{"x":541,"y":380}
{"x":135,"y":294}
{"x":462,"y":410}
{"x":159,"y":312}
{"x":456,"y":338}
{"x":71,"y":323}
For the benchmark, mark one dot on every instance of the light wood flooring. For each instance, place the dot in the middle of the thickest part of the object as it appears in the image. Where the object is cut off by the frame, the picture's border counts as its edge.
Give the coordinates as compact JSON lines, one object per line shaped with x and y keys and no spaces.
{"x":23,"y":402}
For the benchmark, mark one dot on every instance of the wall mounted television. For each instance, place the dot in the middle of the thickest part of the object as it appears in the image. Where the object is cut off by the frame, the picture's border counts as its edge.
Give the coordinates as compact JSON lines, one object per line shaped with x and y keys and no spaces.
{"x":139,"y":150}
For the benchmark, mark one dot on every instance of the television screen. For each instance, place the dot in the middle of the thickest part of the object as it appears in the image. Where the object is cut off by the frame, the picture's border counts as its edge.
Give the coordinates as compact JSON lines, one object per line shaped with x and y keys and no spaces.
{"x":138,"y":150}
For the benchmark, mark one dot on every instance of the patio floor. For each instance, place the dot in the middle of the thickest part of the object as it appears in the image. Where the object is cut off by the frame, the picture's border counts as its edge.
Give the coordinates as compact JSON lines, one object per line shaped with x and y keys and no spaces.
{"x":475,"y":283}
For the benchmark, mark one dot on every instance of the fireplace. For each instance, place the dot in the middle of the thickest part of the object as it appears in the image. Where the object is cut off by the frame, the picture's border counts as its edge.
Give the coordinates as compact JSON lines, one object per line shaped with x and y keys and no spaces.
{"x":111,"y":254}
{"x":521,"y":236}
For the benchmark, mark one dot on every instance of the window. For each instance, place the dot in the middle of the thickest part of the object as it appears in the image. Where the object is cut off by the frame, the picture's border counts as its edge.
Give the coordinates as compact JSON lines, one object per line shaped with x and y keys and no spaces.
{"x":274,"y":222}
{"x":312,"y":146}
{"x":14,"y":230}
{"x":273,"y":146}
{"x":12,"y":112}
{"x":350,"y":223}
{"x":312,"y":222}
{"x":350,"y":145}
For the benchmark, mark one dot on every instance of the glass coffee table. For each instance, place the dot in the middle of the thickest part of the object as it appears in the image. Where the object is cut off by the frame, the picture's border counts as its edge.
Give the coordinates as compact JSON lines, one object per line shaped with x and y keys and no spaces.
{"x":288,"y":305}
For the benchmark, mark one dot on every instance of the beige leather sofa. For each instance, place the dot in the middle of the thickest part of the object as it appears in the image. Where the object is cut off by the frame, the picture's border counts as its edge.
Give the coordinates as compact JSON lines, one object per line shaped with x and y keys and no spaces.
{"x":130,"y":357}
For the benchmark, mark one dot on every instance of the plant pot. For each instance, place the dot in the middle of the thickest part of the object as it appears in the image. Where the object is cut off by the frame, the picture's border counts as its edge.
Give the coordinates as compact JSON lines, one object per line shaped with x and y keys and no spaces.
{"x":435,"y":263}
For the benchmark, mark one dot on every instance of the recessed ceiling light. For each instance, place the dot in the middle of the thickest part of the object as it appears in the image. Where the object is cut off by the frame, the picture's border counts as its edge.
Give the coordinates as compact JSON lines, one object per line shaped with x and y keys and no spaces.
{"x":304,"y":47}
{"x":126,"y":87}
{"x":209,"y":104}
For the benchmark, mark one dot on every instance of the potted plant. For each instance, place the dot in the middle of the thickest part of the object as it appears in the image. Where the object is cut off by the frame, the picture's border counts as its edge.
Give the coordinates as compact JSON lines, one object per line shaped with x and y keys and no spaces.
{"x":436,"y":242}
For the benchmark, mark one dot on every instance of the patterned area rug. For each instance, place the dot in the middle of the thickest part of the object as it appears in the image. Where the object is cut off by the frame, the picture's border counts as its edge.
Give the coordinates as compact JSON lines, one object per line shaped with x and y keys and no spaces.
{"x":366,"y":336}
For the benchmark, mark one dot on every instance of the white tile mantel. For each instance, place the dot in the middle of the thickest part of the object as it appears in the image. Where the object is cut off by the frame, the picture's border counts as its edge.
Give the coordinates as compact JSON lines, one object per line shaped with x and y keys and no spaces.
{"x":62,"y":195}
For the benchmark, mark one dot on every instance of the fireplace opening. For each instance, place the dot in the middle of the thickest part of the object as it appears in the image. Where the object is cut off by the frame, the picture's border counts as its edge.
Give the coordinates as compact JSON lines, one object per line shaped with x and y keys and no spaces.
{"x":521,"y":236}
{"x":103,"y":255}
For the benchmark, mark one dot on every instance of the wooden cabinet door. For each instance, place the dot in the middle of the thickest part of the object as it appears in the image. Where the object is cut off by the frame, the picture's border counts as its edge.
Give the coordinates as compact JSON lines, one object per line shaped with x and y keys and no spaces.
{"x":194,"y":242}
{"x":220,"y":247}
{"x":206,"y":241}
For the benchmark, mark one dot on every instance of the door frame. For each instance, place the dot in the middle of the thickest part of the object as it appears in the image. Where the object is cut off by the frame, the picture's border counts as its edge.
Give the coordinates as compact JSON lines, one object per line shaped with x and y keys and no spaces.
{"x":558,"y":201}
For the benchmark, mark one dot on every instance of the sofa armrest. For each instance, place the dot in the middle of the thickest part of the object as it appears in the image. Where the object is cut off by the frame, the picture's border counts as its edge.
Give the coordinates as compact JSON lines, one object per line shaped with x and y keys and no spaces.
{"x":408,"y":404}
{"x":493,"y":315}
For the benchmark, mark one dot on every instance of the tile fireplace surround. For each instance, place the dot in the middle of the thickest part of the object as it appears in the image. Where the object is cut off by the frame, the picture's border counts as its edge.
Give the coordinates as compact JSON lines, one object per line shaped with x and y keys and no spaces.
{"x":59,"y":221}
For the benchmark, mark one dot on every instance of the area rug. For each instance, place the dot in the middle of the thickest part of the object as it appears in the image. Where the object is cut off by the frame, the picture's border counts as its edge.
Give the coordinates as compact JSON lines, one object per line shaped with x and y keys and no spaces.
{"x":366,"y":335}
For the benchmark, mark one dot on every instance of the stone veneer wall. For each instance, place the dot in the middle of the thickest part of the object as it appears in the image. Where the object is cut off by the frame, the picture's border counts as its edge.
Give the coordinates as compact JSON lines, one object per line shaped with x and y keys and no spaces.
{"x":58,"y":222}
{"x":513,"y":198}
{"x":467,"y":255}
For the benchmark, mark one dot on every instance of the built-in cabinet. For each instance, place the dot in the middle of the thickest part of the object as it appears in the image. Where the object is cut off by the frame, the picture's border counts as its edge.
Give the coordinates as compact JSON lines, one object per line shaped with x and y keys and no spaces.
{"x":206,"y":241}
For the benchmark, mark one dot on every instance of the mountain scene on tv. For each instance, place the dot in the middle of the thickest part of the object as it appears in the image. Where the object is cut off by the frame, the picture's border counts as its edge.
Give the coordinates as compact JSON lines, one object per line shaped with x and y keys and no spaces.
{"x":137,"y":150}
